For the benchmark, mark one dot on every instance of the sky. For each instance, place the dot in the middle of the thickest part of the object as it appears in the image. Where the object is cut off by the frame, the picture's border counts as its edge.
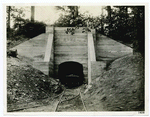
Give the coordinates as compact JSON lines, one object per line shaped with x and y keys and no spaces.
{"x":49,"y":14}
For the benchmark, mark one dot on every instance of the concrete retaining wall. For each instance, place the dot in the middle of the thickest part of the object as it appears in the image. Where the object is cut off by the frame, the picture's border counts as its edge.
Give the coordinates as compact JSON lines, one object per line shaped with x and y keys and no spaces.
{"x":108,"y":49}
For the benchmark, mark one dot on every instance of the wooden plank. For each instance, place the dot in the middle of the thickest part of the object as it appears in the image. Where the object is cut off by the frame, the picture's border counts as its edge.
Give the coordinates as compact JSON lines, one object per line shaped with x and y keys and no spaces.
{"x":106,"y":42}
{"x":64,"y":31}
{"x":81,"y":35}
{"x":69,"y":53}
{"x":80,"y":60}
{"x":61,"y":54}
{"x":112,"y":53}
{"x":70,"y":38}
{"x":76,"y":60}
{"x":65,"y":28}
{"x":71,"y":48}
{"x":76,"y":30}
{"x":65,"y":56}
{"x":114,"y":48}
{"x":71,"y":42}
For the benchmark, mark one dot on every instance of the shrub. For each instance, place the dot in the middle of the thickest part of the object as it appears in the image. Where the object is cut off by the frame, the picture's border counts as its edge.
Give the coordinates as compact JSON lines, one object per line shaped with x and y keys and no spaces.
{"x":28,"y":28}
{"x":32,"y":29}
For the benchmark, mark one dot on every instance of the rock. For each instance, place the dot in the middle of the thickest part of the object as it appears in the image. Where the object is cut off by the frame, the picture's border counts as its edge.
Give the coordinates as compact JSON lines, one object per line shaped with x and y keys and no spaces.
{"x":134,"y":91}
{"x":104,"y":98}
{"x":12,"y":53}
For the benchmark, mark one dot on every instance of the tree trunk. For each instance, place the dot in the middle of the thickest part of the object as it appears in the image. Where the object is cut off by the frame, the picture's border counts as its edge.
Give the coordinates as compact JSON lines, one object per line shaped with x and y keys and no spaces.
{"x":8,"y":25}
{"x":126,"y":13}
{"x":102,"y":23}
{"x":109,"y":18}
{"x":75,"y":11}
{"x":32,"y":13}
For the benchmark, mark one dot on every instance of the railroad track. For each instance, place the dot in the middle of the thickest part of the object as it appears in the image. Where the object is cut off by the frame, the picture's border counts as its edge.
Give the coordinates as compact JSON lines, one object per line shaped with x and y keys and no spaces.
{"x":71,"y":101}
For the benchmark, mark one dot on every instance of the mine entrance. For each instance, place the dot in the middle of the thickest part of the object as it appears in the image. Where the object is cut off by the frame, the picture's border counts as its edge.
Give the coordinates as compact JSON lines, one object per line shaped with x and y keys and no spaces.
{"x":71,"y":74}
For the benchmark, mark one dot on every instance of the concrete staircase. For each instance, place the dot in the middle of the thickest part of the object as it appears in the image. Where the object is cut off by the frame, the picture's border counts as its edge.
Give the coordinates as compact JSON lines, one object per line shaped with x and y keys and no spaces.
{"x":69,"y":47}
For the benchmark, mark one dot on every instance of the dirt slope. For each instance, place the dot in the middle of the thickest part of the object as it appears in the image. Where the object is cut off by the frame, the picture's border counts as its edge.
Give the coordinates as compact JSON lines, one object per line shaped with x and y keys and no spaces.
{"x":26,"y":84}
{"x":120,"y":88}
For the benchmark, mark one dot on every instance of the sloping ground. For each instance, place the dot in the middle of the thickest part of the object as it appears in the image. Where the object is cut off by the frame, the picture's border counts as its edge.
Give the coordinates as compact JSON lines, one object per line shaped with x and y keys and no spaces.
{"x":120,"y":88}
{"x":26,"y":84}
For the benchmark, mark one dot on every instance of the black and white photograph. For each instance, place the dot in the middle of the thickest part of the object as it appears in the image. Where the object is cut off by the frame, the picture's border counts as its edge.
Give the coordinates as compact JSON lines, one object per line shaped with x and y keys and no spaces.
{"x":75,"y":58}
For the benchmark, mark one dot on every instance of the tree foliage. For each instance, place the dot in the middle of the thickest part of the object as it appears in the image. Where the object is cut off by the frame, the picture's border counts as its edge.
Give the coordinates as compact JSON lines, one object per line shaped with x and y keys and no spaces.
{"x":126,"y":24}
{"x":71,"y":18}
{"x":13,"y":13}
{"x":22,"y":26}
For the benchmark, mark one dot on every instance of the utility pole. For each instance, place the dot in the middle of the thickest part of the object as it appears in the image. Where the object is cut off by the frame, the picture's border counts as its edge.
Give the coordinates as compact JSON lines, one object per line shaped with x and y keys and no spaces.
{"x":9,"y":10}
{"x":102,"y":24}
{"x":32,"y":13}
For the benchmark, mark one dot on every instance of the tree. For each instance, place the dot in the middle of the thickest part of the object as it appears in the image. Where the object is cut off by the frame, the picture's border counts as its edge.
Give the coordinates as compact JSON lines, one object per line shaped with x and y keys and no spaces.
{"x":72,"y":10}
{"x":12,"y":14}
{"x":72,"y":14}
{"x":8,"y":20}
{"x":126,"y":24}
{"x":139,"y":28}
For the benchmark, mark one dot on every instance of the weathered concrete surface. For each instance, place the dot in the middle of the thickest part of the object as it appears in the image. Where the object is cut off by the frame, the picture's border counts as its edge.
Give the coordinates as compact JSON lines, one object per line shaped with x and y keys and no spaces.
{"x":34,"y":48}
{"x":69,"y":47}
{"x":108,"y":49}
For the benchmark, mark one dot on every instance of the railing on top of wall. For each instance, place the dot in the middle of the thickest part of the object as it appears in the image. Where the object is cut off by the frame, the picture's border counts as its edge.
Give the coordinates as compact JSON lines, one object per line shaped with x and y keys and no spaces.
{"x":91,"y":55}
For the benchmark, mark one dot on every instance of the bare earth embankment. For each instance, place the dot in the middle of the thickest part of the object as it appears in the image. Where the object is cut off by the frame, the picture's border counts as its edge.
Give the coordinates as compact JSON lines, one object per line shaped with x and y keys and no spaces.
{"x":120,"y":88}
{"x":26,"y":86}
